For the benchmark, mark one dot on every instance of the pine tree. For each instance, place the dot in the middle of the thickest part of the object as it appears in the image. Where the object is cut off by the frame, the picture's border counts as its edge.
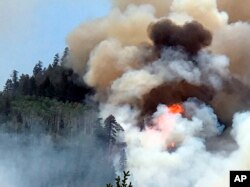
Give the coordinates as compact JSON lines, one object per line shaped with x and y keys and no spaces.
{"x":24,"y":85}
{"x":65,"y":55}
{"x":33,"y":86}
{"x":38,"y":68}
{"x":56,"y":60}
{"x":122,"y":182}
{"x":8,"y":88}
{"x":112,"y":128}
{"x":15,"y":79}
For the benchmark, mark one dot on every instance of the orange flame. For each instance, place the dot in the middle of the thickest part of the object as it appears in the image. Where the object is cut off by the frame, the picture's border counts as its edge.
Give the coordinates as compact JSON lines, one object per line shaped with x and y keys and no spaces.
{"x":176,"y":109}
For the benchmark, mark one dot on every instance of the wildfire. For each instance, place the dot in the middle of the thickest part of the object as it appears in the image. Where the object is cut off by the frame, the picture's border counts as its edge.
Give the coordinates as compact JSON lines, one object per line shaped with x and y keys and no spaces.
{"x":164,"y":121}
{"x":164,"y":125}
{"x":176,"y":109}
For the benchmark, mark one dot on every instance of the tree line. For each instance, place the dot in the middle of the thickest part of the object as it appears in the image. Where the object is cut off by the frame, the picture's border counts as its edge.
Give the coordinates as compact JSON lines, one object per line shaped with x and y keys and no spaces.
{"x":55,"y":81}
{"x":52,"y":96}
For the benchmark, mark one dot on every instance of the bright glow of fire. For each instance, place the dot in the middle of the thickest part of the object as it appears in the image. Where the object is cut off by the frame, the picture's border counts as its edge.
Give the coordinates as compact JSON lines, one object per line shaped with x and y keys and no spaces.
{"x":164,"y":124}
{"x":165,"y":121}
{"x":176,"y":108}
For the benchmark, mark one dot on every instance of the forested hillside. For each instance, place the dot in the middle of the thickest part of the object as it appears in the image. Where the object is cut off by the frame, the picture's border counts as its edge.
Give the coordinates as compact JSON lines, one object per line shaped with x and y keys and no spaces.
{"x":52,"y":97}
{"x":49,"y":116}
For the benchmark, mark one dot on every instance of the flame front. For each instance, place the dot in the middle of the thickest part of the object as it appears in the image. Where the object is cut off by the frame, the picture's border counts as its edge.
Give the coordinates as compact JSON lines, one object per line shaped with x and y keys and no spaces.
{"x":165,"y":122}
{"x":176,"y":109}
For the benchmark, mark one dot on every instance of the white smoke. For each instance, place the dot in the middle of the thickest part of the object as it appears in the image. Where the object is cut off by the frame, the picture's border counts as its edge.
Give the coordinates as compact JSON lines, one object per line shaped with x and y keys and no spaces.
{"x":191,"y":164}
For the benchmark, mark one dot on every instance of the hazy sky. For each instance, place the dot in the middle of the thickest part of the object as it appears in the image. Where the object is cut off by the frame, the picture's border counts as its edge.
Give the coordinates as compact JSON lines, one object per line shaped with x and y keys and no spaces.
{"x":32,"y":30}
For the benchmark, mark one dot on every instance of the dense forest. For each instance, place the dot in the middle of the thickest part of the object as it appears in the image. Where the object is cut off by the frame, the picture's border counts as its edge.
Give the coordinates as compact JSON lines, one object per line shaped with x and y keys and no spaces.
{"x":52,"y":96}
{"x":53,"y":104}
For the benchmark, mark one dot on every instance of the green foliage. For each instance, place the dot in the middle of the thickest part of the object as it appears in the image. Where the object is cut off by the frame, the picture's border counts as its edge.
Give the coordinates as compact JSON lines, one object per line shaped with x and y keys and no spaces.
{"x":4,"y":105}
{"x":50,"y":101}
{"x":15,"y":79}
{"x":24,"y":85}
{"x":65,"y":55}
{"x":38,"y":68}
{"x":122,"y":182}
{"x":52,"y":115}
{"x":112,"y":128}
{"x":56,"y":82}
{"x":8,"y":88}
{"x":107,"y":134}
{"x":56,"y":60}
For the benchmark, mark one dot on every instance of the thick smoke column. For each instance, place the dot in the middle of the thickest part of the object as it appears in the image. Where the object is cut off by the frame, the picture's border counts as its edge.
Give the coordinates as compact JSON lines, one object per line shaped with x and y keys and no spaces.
{"x":191,"y":36}
{"x":145,"y":56}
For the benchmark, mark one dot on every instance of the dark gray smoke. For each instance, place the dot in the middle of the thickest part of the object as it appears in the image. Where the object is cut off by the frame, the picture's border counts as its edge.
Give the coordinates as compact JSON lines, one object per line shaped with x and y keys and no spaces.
{"x":191,"y":36}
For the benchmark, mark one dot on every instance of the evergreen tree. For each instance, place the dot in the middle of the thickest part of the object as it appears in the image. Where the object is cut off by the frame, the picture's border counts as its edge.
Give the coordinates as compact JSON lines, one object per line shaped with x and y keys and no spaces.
{"x":112,"y":128}
{"x":24,"y":85}
{"x":8,"y":88}
{"x":38,"y":68}
{"x":56,"y":60}
{"x":32,"y":86}
{"x":15,"y":79}
{"x":65,"y":55}
{"x":54,"y":82}
{"x":122,"y":182}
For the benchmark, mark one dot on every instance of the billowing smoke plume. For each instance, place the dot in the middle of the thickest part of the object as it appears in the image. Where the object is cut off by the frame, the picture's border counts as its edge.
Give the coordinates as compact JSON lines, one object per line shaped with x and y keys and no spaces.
{"x":146,"y":56}
{"x":128,"y":28}
{"x":165,"y":33}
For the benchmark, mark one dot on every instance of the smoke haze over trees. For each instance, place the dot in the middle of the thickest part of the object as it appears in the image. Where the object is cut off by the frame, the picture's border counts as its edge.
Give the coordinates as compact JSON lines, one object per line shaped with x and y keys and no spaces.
{"x":51,"y":134}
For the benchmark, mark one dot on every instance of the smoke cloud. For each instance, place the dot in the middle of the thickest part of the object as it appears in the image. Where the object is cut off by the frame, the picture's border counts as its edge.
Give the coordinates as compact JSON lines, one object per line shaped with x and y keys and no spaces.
{"x":162,"y":7}
{"x":147,"y":55}
{"x":129,"y":27}
{"x":161,"y":167}
{"x":204,"y":11}
{"x":237,"y":10}
{"x":234,"y":42}
{"x":166,"y":33}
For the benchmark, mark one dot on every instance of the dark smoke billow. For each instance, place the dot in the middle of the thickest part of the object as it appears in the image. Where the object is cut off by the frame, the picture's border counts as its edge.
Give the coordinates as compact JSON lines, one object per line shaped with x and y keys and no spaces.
{"x":192,"y":36}
{"x":174,"y":93}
